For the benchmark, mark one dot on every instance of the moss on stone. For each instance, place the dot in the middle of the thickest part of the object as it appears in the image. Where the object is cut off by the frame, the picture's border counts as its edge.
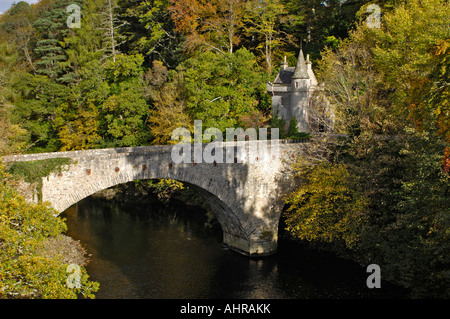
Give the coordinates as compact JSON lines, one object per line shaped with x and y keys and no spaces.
{"x":34,"y":171}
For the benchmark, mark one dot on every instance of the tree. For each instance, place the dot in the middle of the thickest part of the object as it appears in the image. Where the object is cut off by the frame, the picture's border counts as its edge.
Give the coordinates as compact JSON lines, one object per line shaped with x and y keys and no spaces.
{"x":222,"y":88}
{"x":167,"y":95}
{"x":52,"y":28}
{"x":319,"y":24}
{"x":409,"y":207}
{"x":86,"y":44}
{"x":328,"y":208}
{"x":211,"y":25}
{"x":402,"y":65}
{"x":374,"y":76}
{"x":262,"y":20}
{"x":354,"y":91}
{"x":78,"y":127}
{"x":18,"y":28}
{"x":12,"y":136}
{"x":125,"y":112}
{"x":111,"y":24}
{"x":77,"y":119}
{"x":150,"y":32}
{"x":380,"y":81}
{"x":34,"y":109}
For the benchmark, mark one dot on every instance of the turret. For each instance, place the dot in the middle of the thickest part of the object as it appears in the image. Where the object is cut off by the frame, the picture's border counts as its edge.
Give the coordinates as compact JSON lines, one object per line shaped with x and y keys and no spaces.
{"x":308,"y":64}
{"x":312,"y":78}
{"x":300,"y":78}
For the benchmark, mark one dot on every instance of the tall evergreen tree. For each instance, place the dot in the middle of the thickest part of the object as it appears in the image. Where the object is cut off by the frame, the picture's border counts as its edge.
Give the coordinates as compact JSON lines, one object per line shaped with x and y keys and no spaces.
{"x":52,"y":28}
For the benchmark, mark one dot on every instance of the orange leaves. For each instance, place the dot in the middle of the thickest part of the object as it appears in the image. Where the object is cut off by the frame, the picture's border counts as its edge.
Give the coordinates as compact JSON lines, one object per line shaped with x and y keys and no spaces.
{"x":211,"y":25}
{"x":446,"y":161}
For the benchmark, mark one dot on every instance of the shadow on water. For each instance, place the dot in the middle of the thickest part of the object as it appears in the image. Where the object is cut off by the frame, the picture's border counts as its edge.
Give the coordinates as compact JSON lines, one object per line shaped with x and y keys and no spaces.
{"x":154,"y":250}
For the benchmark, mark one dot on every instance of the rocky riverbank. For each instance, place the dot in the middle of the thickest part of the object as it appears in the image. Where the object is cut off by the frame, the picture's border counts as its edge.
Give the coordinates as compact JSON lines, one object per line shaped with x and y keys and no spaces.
{"x":70,"y":249}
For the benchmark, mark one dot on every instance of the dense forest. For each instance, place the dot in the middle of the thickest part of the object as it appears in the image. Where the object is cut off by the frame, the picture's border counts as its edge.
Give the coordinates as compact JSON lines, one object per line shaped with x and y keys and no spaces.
{"x":132,"y":71}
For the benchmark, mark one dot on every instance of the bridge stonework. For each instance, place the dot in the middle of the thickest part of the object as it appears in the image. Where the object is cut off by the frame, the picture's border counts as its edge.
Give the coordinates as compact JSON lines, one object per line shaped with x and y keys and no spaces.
{"x":246,"y":197}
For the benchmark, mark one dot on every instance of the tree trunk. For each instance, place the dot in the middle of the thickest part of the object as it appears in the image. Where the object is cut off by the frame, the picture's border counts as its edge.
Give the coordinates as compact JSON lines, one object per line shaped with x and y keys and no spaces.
{"x":111,"y":30}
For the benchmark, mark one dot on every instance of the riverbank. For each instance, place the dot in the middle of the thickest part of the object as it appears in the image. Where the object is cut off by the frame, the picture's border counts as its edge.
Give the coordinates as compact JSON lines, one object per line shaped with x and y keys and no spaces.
{"x":71,"y":250}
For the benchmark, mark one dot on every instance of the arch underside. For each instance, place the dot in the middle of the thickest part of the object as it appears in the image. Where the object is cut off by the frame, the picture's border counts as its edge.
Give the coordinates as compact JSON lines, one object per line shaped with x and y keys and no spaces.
{"x":230,"y":223}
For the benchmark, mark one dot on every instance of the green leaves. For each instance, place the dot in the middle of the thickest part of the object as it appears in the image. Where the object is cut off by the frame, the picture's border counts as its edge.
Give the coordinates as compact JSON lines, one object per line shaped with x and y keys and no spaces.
{"x":52,"y":27}
{"x":151,"y":31}
{"x":407,"y":52}
{"x":223,"y":87}
{"x":36,"y":101}
{"x":125,"y":113}
{"x":166,"y":90}
{"x":387,"y":199}
{"x":263,"y":22}
{"x":124,"y":67}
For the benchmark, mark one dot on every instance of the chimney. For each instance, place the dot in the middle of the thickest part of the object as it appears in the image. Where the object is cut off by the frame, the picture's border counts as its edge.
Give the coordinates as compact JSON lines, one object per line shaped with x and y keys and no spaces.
{"x":308,"y":64}
{"x":284,"y":65}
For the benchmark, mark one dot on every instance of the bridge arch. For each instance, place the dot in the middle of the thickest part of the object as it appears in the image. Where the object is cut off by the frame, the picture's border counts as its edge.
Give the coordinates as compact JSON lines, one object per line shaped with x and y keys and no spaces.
{"x":227,"y":218}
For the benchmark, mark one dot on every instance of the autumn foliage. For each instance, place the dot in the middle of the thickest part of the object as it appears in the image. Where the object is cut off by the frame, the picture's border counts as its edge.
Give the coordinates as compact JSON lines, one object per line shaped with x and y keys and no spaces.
{"x":381,"y":193}
{"x":136,"y":70}
{"x":25,"y":270}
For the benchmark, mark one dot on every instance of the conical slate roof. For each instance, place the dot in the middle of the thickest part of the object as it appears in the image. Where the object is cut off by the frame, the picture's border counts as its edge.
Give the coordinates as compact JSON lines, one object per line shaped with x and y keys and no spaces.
{"x":301,"y":71}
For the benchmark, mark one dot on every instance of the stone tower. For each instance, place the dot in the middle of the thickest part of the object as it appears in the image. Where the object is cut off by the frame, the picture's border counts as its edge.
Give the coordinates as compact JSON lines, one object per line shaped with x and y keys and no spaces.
{"x":292,"y":92}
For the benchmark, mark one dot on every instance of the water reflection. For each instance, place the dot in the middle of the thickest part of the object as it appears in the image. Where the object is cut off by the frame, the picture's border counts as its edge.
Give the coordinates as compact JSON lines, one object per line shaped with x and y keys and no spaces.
{"x":158,"y":251}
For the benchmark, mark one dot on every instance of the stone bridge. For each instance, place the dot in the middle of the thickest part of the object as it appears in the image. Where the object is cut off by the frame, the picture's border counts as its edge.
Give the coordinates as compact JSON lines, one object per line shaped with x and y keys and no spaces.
{"x":246,"y":194}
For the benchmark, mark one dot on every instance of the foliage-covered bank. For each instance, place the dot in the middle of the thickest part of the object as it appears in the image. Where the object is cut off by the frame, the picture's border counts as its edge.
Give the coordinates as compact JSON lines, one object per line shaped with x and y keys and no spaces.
{"x":382,"y":195}
{"x":25,"y":271}
{"x":385,"y":202}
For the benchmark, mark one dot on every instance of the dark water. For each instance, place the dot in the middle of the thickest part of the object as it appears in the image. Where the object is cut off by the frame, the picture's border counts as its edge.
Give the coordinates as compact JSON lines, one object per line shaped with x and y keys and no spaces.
{"x":166,"y":251}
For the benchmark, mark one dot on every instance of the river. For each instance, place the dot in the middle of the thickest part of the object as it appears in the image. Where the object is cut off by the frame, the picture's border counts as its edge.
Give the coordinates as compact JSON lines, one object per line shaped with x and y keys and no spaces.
{"x":173,"y":251}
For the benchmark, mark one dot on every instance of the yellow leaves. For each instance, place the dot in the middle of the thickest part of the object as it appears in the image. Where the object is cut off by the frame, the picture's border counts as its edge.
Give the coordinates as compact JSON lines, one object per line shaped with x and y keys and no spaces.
{"x":170,"y":112}
{"x":24,"y":271}
{"x":166,"y":187}
{"x":11,"y":135}
{"x":171,"y":183}
{"x":327,"y":207}
{"x":82,"y":132}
